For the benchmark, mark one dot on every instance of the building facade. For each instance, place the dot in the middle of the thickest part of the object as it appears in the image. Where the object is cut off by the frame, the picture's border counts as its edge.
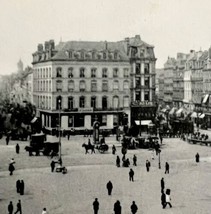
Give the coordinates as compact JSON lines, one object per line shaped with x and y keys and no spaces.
{"x":78,"y":83}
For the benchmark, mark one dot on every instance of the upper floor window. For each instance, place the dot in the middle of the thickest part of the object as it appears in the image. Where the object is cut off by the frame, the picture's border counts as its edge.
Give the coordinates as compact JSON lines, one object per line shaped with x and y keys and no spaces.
{"x":50,"y":72}
{"x":146,"y":96}
{"x":104,"y":103}
{"x":105,"y":73}
{"x":70,"y":85}
{"x":115,"y":72}
{"x":126,"y":102}
{"x":59,"y":85}
{"x":146,"y":68}
{"x":93,"y":102}
{"x":116,"y":85}
{"x":47,"y":73}
{"x":105,"y":86}
{"x":43,"y":72}
{"x":126,"y":72}
{"x":70,"y":102}
{"x":59,"y":72}
{"x":82,"y":102}
{"x":146,"y":81}
{"x":93,"y":72}
{"x":70,"y":72}
{"x":94,"y":85}
{"x":82,"y":85}
{"x":126,"y":85}
{"x":82,"y":72}
{"x":115,"y":102}
{"x":138,"y":68}
{"x":59,"y":102}
{"x":104,"y":55}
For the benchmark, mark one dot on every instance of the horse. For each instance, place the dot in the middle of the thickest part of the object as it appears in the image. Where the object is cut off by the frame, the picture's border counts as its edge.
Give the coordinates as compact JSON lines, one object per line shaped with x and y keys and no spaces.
{"x":88,"y":147}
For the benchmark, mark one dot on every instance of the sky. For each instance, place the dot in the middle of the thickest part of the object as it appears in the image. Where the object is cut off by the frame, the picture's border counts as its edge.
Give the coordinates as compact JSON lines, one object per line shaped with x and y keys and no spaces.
{"x":172,"y":26}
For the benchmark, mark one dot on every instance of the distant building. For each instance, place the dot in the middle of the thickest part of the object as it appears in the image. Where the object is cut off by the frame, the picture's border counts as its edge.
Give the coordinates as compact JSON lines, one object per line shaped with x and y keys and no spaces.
{"x":88,"y":81}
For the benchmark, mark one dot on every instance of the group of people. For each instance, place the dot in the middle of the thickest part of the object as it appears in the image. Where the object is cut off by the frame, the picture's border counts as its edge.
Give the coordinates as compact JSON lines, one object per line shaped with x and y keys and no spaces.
{"x":165,"y":197}
{"x":199,"y":136}
{"x":18,"y":209}
{"x":117,"y":207}
{"x":125,"y":161}
{"x":20,"y":186}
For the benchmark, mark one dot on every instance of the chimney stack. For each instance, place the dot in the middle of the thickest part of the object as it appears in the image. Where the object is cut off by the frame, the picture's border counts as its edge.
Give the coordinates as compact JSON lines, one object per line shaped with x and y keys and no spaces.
{"x":40,"y":47}
{"x":46,"y":46}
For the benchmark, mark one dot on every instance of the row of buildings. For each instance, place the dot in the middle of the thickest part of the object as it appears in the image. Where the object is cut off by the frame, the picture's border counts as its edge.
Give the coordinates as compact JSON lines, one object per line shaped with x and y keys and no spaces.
{"x":185,"y":82}
{"x":79,"y":82}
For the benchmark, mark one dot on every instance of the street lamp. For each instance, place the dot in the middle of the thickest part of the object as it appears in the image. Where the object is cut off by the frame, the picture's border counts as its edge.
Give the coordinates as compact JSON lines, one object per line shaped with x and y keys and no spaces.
{"x":59,"y":129}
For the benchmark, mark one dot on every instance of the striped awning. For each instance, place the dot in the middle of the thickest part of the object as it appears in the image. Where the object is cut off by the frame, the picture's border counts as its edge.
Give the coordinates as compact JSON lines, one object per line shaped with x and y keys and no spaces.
{"x":205,"y":99}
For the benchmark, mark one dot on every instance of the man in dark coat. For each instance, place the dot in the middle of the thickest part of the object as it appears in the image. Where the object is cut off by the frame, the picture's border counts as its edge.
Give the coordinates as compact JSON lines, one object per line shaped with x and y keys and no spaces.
{"x":19,"y":208}
{"x":7,"y":139}
{"x":167,"y":168}
{"x":134,"y":160}
{"x":162,"y":183}
{"x":134,"y":208}
{"x":113,"y":150}
{"x":163,"y":199}
{"x":197,"y":158}
{"x":52,"y":165}
{"x":22,"y":185}
{"x":117,"y":161}
{"x":18,"y":186}
{"x":117,"y":207}
{"x":17,"y":148}
{"x":147,"y":165}
{"x":96,"y":206}
{"x":10,"y":208}
{"x":131,"y":175}
{"x":11,"y":168}
{"x":109,"y":187}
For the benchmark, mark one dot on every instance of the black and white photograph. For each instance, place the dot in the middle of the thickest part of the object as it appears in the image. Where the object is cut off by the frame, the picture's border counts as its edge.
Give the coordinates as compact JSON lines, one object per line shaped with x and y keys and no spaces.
{"x":105,"y":107}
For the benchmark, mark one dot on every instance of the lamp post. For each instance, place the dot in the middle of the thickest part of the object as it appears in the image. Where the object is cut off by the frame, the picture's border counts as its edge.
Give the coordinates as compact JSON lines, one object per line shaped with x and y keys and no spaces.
{"x":159,"y":165}
{"x":59,"y":128}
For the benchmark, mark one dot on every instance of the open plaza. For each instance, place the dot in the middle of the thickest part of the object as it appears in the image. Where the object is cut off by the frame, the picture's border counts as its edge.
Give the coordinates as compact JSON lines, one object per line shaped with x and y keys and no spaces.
{"x":88,"y":175}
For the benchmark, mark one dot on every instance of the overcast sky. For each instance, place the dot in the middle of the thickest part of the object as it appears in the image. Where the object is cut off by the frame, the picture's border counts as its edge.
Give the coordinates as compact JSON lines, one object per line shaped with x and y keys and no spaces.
{"x":170,"y":25}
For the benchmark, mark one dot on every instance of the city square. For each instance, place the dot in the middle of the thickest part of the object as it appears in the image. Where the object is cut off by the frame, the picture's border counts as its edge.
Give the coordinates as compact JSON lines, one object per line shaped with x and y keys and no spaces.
{"x":88,"y":174}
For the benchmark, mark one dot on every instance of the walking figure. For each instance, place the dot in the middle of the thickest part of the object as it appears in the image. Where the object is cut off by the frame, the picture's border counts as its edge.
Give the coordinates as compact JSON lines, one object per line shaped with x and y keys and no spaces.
{"x":113,"y":150}
{"x":10,"y":208}
{"x":163,"y":199}
{"x":117,"y":207}
{"x":18,"y":186}
{"x":17,"y":148}
{"x":117,"y":161}
{"x":167,"y":168}
{"x":109,"y":187}
{"x":11,"y":168}
{"x":22,"y":185}
{"x":134,"y":208}
{"x":19,"y":208}
{"x":197,"y":158}
{"x":147,"y":165}
{"x":134,"y":160}
{"x":168,"y":198}
{"x":52,"y":165}
{"x":7,"y":139}
{"x":44,"y":211}
{"x":96,"y":206}
{"x":162,"y":183}
{"x":131,"y":175}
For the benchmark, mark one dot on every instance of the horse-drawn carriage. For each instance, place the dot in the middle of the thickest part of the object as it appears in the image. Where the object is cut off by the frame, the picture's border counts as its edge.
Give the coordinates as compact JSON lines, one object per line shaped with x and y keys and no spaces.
{"x":103,"y":147}
{"x":147,"y":142}
{"x":38,"y":146}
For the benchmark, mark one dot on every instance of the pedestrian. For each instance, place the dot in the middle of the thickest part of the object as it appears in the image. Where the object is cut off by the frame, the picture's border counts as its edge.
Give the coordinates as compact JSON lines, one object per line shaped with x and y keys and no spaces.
{"x":96,"y":206}
{"x":167,"y":168}
{"x":134,"y":208}
{"x":68,"y":135}
{"x":44,"y":211}
{"x":52,"y":165}
{"x":113,"y":150}
{"x":19,"y":207}
{"x":168,"y":198}
{"x":163,"y":199}
{"x":117,"y":161}
{"x":10,"y":208}
{"x":197,"y":157}
{"x":131,"y":175}
{"x":162,"y":183}
{"x":17,"y":148}
{"x":7,"y":139}
{"x":18,"y":186}
{"x":117,"y":207}
{"x":147,"y":165}
{"x":11,"y":168}
{"x":161,"y":138}
{"x":134,"y":160}
{"x":109,"y":187}
{"x":22,"y":186}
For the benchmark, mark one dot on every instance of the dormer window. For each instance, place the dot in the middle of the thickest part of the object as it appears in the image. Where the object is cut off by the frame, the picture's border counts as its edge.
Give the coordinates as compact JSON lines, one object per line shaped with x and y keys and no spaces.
{"x":82,"y":55}
{"x":104,"y":55}
{"x":115,"y":55}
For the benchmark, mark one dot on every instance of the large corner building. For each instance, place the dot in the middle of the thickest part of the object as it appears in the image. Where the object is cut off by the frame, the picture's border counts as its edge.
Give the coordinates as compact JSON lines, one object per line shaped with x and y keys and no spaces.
{"x":80,"y":82}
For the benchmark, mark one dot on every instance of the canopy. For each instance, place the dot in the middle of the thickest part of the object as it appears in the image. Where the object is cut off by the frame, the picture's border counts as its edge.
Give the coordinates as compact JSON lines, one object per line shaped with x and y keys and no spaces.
{"x":143,"y":122}
{"x":179,"y":111}
{"x":194,"y":115}
{"x":164,"y":110}
{"x":205,"y":98}
{"x":172,"y":110}
{"x":34,"y":120}
{"x":202,"y":116}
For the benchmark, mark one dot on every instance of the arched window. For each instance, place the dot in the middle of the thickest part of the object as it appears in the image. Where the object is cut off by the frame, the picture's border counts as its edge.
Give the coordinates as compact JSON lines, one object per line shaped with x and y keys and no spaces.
{"x":126,"y":85}
{"x":104,"y":103}
{"x":70,"y":102}
{"x":59,"y":72}
{"x":59,"y":85}
{"x":115,"y":101}
{"x":116,"y":85}
{"x":82,"y":85}
{"x":82,"y":102}
{"x":71,"y":85}
{"x":59,"y":102}
{"x":126,"y":101}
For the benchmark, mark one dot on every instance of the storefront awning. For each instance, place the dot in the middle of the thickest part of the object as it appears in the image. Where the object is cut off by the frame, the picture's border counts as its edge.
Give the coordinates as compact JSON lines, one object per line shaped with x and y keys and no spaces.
{"x":34,"y":120}
{"x":172,"y":111}
{"x":179,"y":111}
{"x":194,"y":115}
{"x":205,"y":98}
{"x":143,"y":122}
{"x":164,"y":110}
{"x":202,"y":116}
